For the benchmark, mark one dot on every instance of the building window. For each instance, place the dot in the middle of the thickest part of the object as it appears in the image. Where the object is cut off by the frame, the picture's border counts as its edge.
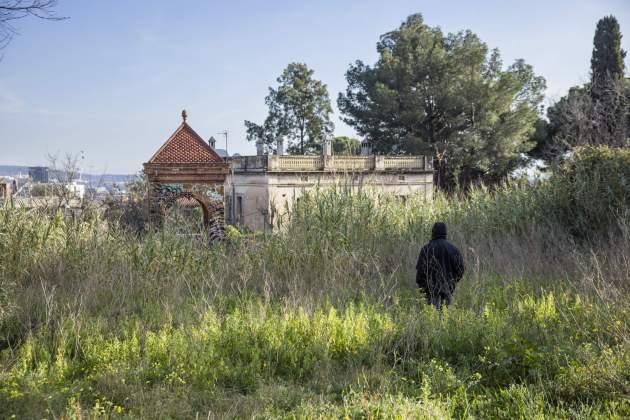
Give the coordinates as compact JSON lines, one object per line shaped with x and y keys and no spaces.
{"x":228,"y":209}
{"x":401,"y":177}
{"x":239,"y":210}
{"x":304,"y":178}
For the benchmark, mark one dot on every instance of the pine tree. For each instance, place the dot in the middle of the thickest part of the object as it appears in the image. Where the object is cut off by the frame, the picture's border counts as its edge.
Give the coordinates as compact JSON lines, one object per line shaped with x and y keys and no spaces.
{"x":446,"y":95}
{"x":299,"y":109}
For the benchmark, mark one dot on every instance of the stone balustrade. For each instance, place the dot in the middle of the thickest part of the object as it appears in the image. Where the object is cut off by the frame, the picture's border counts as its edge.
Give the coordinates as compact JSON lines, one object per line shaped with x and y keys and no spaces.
{"x":407,"y":162}
{"x":351,"y":163}
{"x":293,"y":163}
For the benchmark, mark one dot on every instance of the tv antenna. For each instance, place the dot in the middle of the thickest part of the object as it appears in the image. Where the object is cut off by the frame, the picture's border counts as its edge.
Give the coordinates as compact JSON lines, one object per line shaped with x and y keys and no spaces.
{"x":225,"y":133}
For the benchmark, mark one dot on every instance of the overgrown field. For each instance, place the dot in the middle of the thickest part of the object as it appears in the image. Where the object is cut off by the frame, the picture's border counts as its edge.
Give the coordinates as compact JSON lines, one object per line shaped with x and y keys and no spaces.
{"x":323,"y":319}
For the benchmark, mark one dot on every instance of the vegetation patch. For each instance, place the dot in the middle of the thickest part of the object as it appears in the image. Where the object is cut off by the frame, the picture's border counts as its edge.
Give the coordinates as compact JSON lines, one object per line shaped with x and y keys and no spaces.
{"x":322,"y":319}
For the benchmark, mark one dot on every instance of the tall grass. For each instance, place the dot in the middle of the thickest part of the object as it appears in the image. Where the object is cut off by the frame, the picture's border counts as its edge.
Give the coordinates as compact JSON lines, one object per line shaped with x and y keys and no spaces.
{"x":322,"y":319}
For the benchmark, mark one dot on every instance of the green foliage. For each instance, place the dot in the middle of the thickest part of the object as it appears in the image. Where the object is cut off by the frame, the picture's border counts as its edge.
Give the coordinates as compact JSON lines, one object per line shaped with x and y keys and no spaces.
{"x":608,"y":56}
{"x":508,"y":361}
{"x":322,"y":319}
{"x":344,"y":145}
{"x":446,"y":96}
{"x":609,"y":95}
{"x":597,"y":113}
{"x":568,"y":124}
{"x":591,"y":191}
{"x":298,"y":109}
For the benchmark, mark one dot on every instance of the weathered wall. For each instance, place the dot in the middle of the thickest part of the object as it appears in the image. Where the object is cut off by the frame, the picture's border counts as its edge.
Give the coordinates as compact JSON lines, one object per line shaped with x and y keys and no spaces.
{"x":266,"y":197}
{"x":247,"y":197}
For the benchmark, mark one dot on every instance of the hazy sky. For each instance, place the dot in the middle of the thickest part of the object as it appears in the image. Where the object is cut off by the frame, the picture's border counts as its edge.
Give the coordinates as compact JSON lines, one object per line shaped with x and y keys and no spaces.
{"x":112,"y":80}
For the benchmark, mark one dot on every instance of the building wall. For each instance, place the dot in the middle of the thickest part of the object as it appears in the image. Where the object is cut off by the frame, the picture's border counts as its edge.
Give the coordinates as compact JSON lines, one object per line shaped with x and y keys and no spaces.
{"x":7,"y":189}
{"x":39,"y":174}
{"x":247,"y":197}
{"x":266,"y":197}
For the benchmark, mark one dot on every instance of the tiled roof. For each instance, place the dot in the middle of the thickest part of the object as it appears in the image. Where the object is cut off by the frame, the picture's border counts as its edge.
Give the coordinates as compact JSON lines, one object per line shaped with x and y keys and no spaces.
{"x":185,"y":146}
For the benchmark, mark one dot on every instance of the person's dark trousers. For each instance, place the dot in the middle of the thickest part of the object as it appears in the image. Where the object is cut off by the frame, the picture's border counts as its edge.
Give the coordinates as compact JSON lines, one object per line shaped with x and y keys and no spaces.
{"x":438,"y":298}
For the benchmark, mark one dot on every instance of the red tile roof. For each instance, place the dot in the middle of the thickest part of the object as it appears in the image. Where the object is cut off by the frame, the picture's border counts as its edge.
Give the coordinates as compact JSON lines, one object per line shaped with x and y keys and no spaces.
{"x":185,"y":146}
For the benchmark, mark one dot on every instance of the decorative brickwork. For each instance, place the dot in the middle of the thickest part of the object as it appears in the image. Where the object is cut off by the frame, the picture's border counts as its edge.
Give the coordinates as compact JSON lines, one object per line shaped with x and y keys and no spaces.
{"x":187,"y":169}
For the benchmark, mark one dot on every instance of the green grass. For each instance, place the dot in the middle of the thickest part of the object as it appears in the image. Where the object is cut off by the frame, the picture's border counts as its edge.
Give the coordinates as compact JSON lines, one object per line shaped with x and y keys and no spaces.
{"x":322,"y":319}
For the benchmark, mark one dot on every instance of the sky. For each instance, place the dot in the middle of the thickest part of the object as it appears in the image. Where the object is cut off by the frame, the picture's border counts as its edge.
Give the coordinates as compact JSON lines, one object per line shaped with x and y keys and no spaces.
{"x":111,"y":81}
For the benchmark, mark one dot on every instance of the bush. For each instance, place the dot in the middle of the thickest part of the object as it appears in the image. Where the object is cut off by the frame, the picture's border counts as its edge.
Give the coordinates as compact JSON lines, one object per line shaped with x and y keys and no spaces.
{"x":591,"y":191}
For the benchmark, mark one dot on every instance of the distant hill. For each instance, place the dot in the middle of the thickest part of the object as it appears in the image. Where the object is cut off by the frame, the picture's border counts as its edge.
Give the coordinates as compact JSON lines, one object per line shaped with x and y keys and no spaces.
{"x":95,"y":180}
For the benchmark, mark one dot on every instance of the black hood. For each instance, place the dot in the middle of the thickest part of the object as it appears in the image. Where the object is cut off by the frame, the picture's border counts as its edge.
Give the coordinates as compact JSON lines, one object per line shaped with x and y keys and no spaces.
{"x":439,"y":231}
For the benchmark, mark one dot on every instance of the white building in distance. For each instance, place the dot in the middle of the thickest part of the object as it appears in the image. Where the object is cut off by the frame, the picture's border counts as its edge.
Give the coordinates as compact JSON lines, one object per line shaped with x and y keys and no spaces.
{"x":259,"y":189}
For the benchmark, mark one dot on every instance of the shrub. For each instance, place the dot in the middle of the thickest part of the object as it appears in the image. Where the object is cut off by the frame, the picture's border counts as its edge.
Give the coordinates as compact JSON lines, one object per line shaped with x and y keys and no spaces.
{"x":591,"y":191}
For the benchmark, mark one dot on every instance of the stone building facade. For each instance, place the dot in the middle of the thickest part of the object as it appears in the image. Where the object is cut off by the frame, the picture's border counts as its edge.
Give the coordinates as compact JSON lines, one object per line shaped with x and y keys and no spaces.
{"x":260,"y":189}
{"x":256,"y":192}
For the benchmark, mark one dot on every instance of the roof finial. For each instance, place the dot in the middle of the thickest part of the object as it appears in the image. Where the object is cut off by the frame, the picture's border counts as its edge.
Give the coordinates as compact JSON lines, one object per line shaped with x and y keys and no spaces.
{"x":184,"y":115}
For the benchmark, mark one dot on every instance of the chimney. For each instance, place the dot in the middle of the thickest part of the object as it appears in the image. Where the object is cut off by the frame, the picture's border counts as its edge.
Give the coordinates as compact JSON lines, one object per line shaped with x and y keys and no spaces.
{"x":327,"y":148}
{"x":212,"y":142}
{"x":366,"y":148}
{"x":260,"y":149}
{"x":280,"y":146}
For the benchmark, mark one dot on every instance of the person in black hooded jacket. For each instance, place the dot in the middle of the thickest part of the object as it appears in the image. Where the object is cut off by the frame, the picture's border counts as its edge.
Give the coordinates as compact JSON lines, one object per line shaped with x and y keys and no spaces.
{"x":440,"y":266}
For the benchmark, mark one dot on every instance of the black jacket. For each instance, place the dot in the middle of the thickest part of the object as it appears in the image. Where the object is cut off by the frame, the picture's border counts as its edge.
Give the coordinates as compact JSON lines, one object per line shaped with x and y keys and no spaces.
{"x":440,"y":264}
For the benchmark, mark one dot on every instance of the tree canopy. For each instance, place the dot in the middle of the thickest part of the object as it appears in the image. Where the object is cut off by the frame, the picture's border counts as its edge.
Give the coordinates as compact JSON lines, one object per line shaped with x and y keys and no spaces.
{"x":445,"y":95}
{"x":609,"y":91}
{"x":344,"y":145}
{"x":299,"y":109}
{"x":608,"y":56}
{"x":597,"y":112}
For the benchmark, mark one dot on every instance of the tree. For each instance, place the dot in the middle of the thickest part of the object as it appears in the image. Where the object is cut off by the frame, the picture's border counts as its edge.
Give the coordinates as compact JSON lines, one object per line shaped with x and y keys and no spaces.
{"x":607,"y":59}
{"x":64,"y":172}
{"x":344,"y":145}
{"x":568,"y":124}
{"x":11,"y":10}
{"x":446,"y":96}
{"x":299,"y":109}
{"x":609,"y":105}
{"x":541,"y":139}
{"x":599,"y":111}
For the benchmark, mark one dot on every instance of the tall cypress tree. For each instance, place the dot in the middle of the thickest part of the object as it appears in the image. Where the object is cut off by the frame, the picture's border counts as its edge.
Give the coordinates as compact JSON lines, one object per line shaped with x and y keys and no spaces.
{"x":608,"y":112}
{"x":607,"y":58}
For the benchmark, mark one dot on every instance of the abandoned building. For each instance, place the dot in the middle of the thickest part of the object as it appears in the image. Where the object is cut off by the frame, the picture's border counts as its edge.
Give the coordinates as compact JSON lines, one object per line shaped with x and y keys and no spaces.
{"x":186,"y":169}
{"x":256,"y":191}
{"x":261,"y":188}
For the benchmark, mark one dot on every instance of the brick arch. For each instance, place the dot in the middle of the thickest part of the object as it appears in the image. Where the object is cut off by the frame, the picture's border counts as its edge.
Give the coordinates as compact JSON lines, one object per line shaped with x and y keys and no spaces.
{"x":172,"y":199}
{"x":185,"y":161}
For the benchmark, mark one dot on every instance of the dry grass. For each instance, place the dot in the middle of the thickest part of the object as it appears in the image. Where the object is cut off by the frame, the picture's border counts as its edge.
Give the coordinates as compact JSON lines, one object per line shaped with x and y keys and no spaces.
{"x":321,"y":319}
